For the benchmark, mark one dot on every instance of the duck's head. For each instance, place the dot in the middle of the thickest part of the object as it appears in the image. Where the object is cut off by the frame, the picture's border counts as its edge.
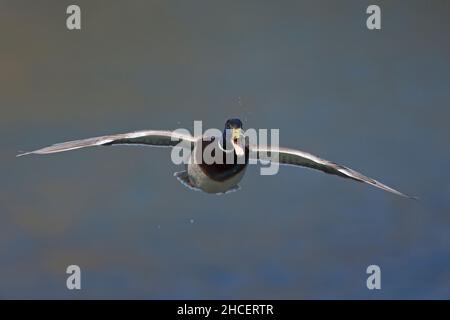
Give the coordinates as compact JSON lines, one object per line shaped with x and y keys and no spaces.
{"x":233,"y":136}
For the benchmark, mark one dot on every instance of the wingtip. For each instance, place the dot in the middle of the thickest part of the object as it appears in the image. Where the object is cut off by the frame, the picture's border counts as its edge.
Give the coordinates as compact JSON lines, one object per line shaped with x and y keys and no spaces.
{"x":23,"y":154}
{"x":409,"y":197}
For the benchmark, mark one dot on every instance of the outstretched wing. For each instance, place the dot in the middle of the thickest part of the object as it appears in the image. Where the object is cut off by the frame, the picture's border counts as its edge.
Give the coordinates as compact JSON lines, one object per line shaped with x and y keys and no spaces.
{"x":147,"y":137}
{"x":299,"y":158}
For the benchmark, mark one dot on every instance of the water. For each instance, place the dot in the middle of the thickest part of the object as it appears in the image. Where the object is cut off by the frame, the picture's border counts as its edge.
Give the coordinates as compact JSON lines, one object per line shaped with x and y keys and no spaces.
{"x":375,"y":101}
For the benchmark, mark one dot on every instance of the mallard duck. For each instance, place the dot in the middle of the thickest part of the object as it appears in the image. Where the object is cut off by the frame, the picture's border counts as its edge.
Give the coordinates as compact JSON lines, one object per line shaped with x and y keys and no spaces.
{"x":220,"y":176}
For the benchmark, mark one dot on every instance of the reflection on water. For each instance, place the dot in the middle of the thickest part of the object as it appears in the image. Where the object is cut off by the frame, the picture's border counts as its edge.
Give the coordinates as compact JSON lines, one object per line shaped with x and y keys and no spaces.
{"x":377,"y":102}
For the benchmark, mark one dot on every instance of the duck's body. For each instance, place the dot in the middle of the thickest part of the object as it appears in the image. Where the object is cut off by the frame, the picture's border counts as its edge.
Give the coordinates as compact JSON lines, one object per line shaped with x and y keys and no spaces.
{"x":202,"y":179}
{"x":218,"y":176}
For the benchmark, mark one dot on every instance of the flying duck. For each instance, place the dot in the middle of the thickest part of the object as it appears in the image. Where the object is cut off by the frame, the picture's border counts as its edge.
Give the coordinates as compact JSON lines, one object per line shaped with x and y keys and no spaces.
{"x":219,"y":176}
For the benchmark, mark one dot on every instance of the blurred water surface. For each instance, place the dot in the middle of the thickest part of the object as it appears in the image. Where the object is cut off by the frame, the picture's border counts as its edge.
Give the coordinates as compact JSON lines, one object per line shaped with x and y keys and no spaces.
{"x":377,"y":101}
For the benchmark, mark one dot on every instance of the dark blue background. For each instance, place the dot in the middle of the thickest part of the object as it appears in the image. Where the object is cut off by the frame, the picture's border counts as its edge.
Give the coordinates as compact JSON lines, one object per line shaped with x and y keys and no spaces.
{"x":377,"y":101}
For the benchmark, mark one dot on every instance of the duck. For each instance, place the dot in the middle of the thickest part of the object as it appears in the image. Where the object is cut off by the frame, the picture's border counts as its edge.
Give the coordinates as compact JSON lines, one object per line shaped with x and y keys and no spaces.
{"x":218,"y":176}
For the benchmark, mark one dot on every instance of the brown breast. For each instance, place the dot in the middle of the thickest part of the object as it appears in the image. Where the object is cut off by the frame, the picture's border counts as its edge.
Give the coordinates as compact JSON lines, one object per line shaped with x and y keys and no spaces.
{"x":220,"y":171}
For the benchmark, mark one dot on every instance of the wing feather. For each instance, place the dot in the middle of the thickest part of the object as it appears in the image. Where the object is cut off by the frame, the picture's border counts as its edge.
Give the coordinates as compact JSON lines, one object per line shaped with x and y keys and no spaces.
{"x":300,"y":158}
{"x":145,"y":137}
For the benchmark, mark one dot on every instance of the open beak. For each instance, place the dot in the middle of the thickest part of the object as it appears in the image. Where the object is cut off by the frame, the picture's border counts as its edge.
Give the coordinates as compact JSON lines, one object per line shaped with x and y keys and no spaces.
{"x":236,"y":141}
